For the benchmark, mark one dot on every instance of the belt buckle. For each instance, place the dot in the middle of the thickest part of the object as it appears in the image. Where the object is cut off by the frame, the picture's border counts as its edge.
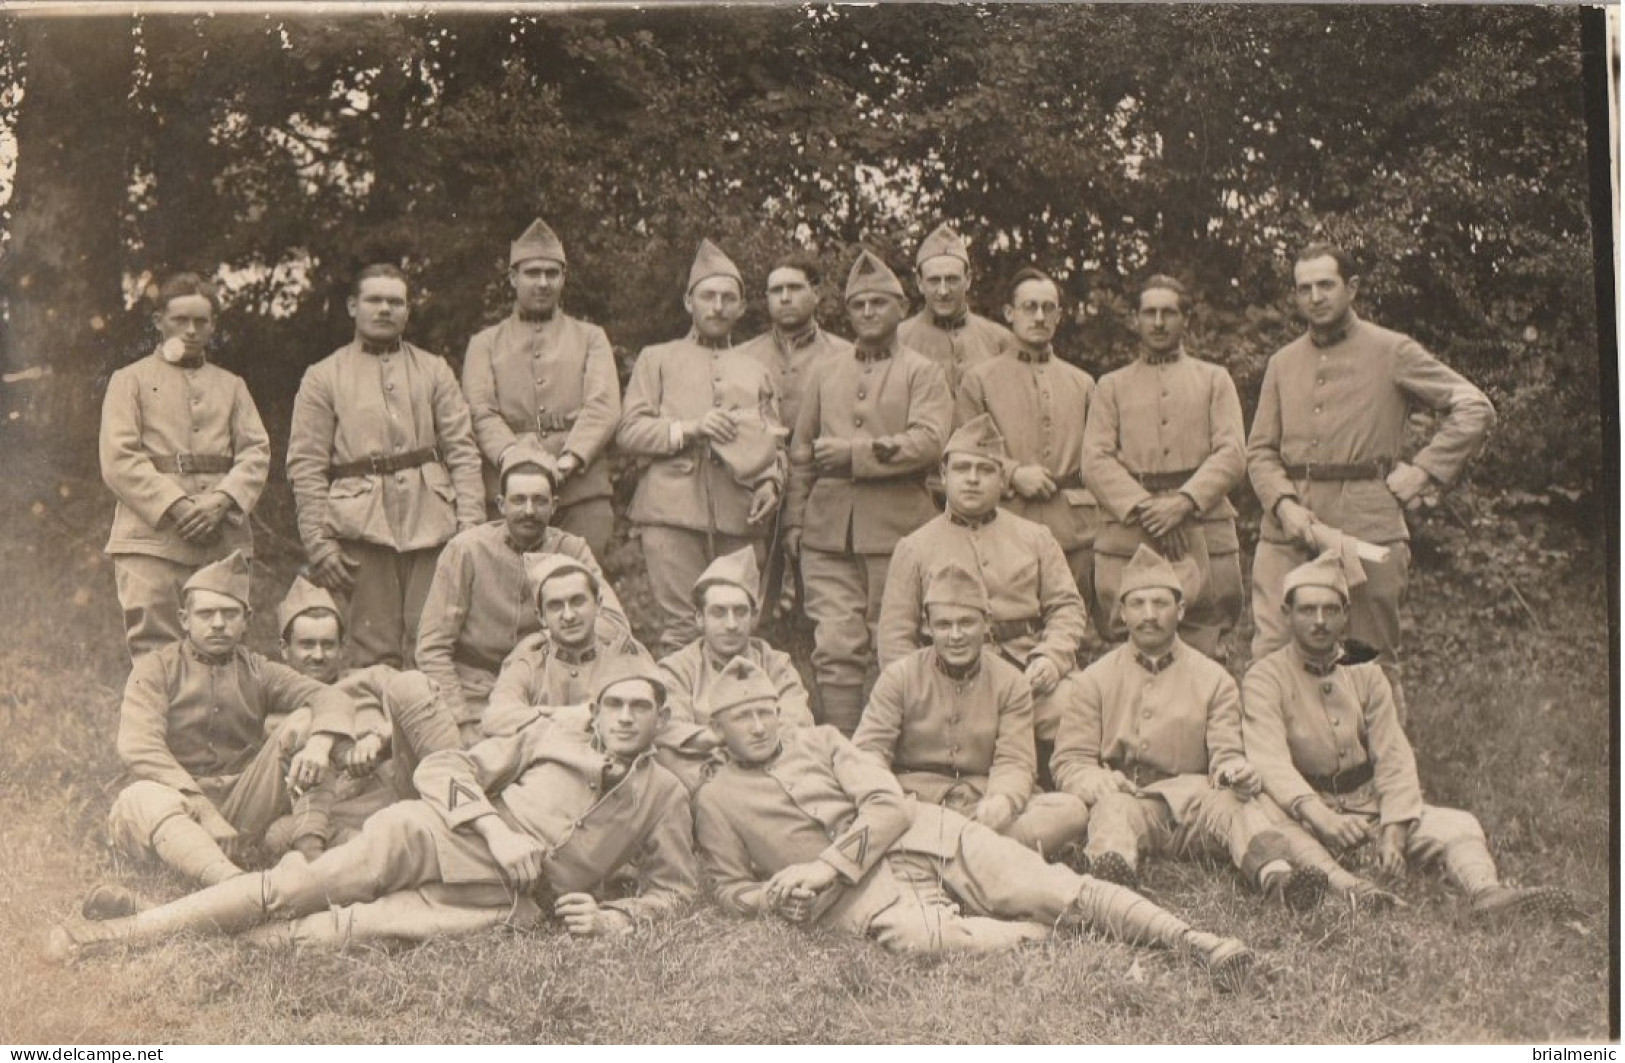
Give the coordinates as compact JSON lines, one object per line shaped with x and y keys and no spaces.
{"x":183,"y":464}
{"x":378,"y":464}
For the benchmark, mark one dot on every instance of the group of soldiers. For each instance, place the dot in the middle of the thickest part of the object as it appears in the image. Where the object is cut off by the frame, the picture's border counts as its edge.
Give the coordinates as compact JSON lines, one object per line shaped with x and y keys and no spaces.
{"x":963,"y":515}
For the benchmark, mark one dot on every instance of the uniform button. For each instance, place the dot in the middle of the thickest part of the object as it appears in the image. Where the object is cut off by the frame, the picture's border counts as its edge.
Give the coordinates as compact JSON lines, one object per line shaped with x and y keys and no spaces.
{"x":400,"y":477}
{"x":1325,"y":688}
{"x":862,"y":393}
{"x":1320,"y":380}
{"x":1146,"y":714}
{"x":858,"y":421}
{"x":542,"y":382}
{"x":389,"y":387}
{"x":718,"y":380}
{"x":1317,"y":410}
{"x":716,"y":401}
{"x":1334,"y":723}
{"x":397,"y":446}
{"x":541,"y":409}
{"x":1165,"y":420}
{"x":1145,"y":745}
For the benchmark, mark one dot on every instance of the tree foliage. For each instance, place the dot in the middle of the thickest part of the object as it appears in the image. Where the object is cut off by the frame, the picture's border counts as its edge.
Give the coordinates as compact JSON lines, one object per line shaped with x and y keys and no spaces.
{"x":1445,"y":144}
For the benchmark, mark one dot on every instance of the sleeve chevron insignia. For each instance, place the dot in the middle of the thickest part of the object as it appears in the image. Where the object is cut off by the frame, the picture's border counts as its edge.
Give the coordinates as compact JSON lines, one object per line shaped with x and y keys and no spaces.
{"x":462,"y":793}
{"x":855,"y":846}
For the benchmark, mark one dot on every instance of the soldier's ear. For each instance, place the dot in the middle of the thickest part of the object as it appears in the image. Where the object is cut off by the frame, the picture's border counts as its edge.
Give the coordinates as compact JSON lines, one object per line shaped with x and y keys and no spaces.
{"x":351,"y":305}
{"x":1009,"y":314}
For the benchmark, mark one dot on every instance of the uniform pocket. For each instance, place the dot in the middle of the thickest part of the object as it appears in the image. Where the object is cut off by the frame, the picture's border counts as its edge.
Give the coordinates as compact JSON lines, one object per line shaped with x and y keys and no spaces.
{"x":350,"y":502}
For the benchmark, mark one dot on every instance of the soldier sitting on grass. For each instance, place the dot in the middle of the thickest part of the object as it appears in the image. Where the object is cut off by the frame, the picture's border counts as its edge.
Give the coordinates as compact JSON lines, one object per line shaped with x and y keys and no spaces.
{"x":1321,"y":724}
{"x":802,"y":824}
{"x":549,"y":807}
{"x":955,"y":722}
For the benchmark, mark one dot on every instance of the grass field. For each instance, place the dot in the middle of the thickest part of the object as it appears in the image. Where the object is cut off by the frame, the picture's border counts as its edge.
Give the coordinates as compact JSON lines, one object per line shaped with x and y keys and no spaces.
{"x":1515,"y":727}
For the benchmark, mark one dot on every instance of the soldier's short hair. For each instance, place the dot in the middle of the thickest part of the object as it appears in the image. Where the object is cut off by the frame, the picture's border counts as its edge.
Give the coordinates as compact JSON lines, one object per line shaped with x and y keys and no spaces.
{"x":319,"y":614}
{"x":180,"y":285}
{"x":381,"y":269}
{"x":527,"y":467}
{"x":573,"y":570}
{"x":1166,"y":283}
{"x":1347,"y":267}
{"x":1023,"y":275}
{"x":802,"y":261}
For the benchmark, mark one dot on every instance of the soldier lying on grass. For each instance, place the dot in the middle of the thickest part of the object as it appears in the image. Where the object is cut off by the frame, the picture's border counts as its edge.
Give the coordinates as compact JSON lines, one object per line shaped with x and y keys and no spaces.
{"x":546,"y":807}
{"x":895,"y":871}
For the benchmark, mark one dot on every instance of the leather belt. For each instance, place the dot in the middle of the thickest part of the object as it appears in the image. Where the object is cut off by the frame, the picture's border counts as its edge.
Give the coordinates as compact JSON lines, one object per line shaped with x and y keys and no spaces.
{"x":1007,"y":630}
{"x":1323,"y":472}
{"x":1164,"y":481}
{"x":191,"y":463}
{"x":469,"y":657}
{"x":380,"y":465}
{"x":1341,"y":782}
{"x":1142,"y":775}
{"x":1071,"y":483}
{"x":554,"y":422}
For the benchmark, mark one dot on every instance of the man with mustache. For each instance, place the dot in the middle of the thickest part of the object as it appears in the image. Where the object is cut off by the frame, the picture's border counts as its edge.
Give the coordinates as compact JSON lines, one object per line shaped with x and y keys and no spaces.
{"x":544,"y":377}
{"x":1162,"y":451}
{"x":705,"y":414}
{"x":871,"y":426}
{"x":1322,"y":728}
{"x":954,"y":722}
{"x":1037,"y":616}
{"x":1152,"y":743}
{"x":558,"y":666}
{"x":550,"y":807}
{"x":184,"y":452}
{"x":1325,"y":448}
{"x":384,"y":470}
{"x":480,"y":605}
{"x":802,"y":825}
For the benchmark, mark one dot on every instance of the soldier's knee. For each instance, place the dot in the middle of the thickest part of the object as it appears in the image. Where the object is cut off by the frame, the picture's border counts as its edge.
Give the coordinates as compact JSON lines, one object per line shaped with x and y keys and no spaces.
{"x":909,"y":926}
{"x":1451,"y":825}
{"x":293,"y":888}
{"x":138,"y":811}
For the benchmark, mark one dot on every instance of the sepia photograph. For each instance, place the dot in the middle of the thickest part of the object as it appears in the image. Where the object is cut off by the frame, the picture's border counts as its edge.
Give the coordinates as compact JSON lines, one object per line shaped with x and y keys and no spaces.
{"x":913,"y":523}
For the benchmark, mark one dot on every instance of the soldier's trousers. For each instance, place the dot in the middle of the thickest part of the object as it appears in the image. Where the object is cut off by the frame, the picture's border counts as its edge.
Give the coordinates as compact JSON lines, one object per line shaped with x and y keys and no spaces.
{"x":1441,"y":835}
{"x":149,"y":592}
{"x":1050,"y":820}
{"x":1373,"y":605}
{"x":249,"y":801}
{"x":593,"y":519}
{"x":675,"y":558}
{"x":843,"y":601}
{"x":1007,"y":892}
{"x":1250,"y":833}
{"x":386,"y":605}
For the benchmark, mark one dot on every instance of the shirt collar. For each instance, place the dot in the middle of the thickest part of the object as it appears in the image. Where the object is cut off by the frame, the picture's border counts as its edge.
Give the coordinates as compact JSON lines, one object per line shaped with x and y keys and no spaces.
{"x":1319,"y":669}
{"x":1152,"y":358}
{"x":973,"y":523}
{"x":206,"y":658}
{"x":723,"y":344}
{"x":797,"y":340}
{"x":953,"y":323}
{"x":1336,"y":334}
{"x":379,"y":349}
{"x":535,"y":319}
{"x":1154,"y":665}
{"x":958,"y":675}
{"x":581,"y":656}
{"x":508,"y":539}
{"x":1041,"y":357}
{"x":866,"y":354}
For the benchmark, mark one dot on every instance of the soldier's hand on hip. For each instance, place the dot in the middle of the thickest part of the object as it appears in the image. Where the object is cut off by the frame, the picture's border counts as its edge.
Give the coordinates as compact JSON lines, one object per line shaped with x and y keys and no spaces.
{"x":1407,"y":482}
{"x":334,"y":572}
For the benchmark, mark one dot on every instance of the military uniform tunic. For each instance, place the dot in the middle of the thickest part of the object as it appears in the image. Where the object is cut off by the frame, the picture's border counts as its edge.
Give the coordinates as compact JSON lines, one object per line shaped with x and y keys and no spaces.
{"x":555,"y":382}
{"x":1346,"y":403}
{"x":480,"y":606}
{"x":688,"y":505}
{"x":1040,"y":406}
{"x":353,"y":406}
{"x":1036,"y":608}
{"x":1177,"y":425}
{"x":1173,"y":727}
{"x":820,"y":798}
{"x":539,"y":676}
{"x":791,"y":359}
{"x":156,"y":412}
{"x":957,"y":348}
{"x":851,"y":523}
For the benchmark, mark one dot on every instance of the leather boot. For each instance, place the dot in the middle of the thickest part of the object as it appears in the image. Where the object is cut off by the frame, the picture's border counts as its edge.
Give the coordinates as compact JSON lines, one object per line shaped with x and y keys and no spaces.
{"x":841,"y":707}
{"x":224,"y":908}
{"x":1122,"y":914}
